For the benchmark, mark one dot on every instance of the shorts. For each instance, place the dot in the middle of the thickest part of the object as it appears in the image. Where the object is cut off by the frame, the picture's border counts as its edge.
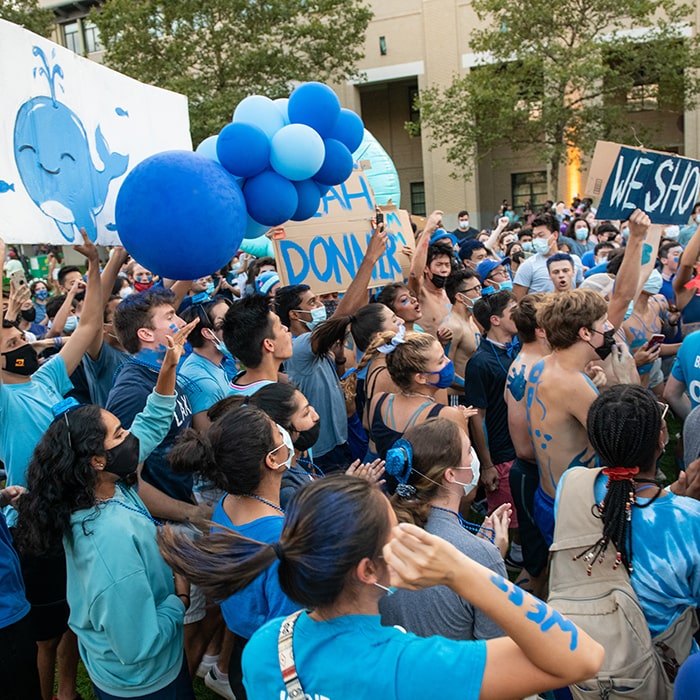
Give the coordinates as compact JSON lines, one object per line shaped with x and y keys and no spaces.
{"x":524,"y":479}
{"x":544,"y":515}
{"x":502,"y":494}
{"x":198,"y":602}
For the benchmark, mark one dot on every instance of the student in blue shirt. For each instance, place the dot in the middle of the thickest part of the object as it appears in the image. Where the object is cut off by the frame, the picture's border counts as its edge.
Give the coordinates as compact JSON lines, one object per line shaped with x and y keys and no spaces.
{"x":338,"y":553}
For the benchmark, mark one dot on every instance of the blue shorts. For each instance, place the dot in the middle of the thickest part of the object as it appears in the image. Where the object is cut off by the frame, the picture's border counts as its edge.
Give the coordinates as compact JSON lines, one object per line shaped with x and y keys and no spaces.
{"x":544,"y":515}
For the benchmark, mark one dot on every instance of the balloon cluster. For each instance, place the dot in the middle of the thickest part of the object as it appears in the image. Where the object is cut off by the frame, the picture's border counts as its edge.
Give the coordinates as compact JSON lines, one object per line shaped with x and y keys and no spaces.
{"x":286,"y":153}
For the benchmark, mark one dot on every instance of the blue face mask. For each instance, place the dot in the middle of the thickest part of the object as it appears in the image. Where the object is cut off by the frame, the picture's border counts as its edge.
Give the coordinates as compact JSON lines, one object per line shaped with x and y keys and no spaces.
{"x":200,"y":298}
{"x":527,"y":246}
{"x":318,"y":315}
{"x":581,"y":234}
{"x":71,"y":324}
{"x":445,"y":376}
{"x":389,"y":590}
{"x":541,"y":245}
{"x":210,"y":289}
{"x":507,"y":285}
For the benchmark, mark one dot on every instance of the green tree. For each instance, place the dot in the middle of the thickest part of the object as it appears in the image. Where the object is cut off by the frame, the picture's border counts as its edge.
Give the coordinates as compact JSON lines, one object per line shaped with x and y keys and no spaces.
{"x":27,"y":14}
{"x":555,"y":77}
{"x":219,"y":51}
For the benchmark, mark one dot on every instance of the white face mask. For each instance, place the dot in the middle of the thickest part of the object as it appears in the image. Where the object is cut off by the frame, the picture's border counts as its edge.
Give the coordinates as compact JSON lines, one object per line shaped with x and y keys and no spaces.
{"x":286,"y":442}
{"x":541,"y":245}
{"x":464,"y":225}
{"x":124,"y":292}
{"x":476,"y":472}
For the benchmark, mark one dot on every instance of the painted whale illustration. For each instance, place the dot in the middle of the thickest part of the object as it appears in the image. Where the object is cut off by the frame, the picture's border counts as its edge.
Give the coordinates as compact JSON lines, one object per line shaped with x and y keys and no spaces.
{"x":53,"y":157}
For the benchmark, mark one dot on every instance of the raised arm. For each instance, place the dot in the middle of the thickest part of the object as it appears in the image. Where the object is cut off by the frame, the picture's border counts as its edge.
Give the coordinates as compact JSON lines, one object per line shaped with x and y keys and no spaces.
{"x":59,"y":320}
{"x":420,"y":255}
{"x":685,"y":271}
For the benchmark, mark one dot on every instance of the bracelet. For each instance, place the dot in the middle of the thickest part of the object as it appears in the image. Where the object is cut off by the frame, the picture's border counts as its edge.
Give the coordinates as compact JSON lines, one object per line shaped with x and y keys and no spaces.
{"x":184,"y":595}
{"x":58,"y":342}
{"x":341,"y":362}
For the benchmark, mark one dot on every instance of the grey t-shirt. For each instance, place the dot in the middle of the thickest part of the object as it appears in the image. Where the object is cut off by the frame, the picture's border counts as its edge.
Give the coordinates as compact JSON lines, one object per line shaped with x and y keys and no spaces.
{"x":439,"y":610}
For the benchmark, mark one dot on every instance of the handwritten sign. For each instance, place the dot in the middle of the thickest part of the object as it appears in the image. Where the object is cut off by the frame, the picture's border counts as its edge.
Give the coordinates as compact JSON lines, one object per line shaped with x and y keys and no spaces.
{"x":327,"y":250}
{"x":664,"y":185}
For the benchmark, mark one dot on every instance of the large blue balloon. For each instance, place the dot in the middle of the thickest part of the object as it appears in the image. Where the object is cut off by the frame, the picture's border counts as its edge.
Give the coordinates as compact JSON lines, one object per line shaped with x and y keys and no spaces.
{"x":309,"y":200}
{"x":337,"y":165}
{"x":180,"y":214}
{"x":316,"y":105}
{"x":243,"y":149}
{"x":297,"y":152}
{"x":271,"y":198}
{"x":348,"y":129}
{"x":259,"y":111}
{"x":208,"y":148}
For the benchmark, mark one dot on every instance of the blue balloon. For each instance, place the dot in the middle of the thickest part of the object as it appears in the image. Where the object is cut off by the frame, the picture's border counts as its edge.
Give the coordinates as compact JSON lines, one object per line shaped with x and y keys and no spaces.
{"x":208,"y":148}
{"x":243,"y":149}
{"x":337,"y":165}
{"x":282,"y":103}
{"x":271,"y":198}
{"x":316,"y":105}
{"x":309,"y":200}
{"x":180,"y":215}
{"x":259,"y":247}
{"x":259,"y":111}
{"x":348,"y":129}
{"x":297,"y":152}
{"x":254,"y":230}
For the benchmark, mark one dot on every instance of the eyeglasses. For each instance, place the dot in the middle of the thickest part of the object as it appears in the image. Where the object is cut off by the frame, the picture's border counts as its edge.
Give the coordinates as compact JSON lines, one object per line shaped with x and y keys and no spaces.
{"x":663,"y":407}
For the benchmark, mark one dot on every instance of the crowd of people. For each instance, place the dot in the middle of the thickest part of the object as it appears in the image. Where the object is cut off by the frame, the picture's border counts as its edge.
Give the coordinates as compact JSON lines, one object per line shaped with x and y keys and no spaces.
{"x":290,"y":493}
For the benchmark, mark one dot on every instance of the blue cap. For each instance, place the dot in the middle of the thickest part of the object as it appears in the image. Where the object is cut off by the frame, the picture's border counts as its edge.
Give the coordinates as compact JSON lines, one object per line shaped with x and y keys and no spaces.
{"x":265,"y":281}
{"x":440,"y":234}
{"x":486,"y":267}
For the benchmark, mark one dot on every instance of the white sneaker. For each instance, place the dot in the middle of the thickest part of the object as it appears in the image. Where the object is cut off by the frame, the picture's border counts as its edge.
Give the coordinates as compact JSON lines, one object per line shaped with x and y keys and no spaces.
{"x":219,"y":683}
{"x":205,"y":665}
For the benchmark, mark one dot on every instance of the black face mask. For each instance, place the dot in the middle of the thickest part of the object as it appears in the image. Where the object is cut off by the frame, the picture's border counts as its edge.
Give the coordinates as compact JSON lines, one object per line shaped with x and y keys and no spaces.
{"x":22,"y":360}
{"x":439,"y":280}
{"x":123,"y":459}
{"x":29,"y":315}
{"x":307,"y":438}
{"x":605,"y":349}
{"x":518,"y":257}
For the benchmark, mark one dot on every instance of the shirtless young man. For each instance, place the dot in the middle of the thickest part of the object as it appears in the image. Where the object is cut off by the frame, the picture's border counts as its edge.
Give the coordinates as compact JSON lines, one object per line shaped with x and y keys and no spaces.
{"x":463,"y":290}
{"x":430,"y":268}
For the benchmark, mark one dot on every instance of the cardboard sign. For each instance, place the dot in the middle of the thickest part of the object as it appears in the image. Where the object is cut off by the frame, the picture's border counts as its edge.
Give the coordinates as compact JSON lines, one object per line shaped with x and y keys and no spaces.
{"x":70,"y":131}
{"x":326,"y":251}
{"x":663,"y":185}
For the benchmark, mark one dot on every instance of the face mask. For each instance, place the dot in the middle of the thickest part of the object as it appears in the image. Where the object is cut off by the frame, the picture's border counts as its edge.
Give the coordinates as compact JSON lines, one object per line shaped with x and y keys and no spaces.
{"x":142,"y":286}
{"x":318,"y":315}
{"x":23,"y":360}
{"x":439,"y":280}
{"x":389,"y":590}
{"x":219,"y":345}
{"x":445,"y":376}
{"x":518,"y":257}
{"x":672,"y":232}
{"x":123,"y":459}
{"x":308,"y":438}
{"x":541,"y":245}
{"x":210,"y":289}
{"x":286,"y":442}
{"x":469,"y":302}
{"x":654,"y":283}
{"x":625,"y":233}
{"x":200,"y":298}
{"x":581,"y":234}
{"x":476,"y":471}
{"x":41,"y":294}
{"x":505,"y":286}
{"x":697,"y":218}
{"x":29,"y":314}
{"x":71,"y":324}
{"x":464,"y":225}
{"x":527,"y":246}
{"x":608,"y":341}
{"x":124,"y":292}
{"x":331,"y":305}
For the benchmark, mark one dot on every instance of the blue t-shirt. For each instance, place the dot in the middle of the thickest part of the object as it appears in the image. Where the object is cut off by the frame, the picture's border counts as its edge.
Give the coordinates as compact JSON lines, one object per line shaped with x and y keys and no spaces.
{"x":207,"y":382}
{"x":686,"y":368}
{"x":13,"y":603}
{"x":100,"y":372}
{"x":249,"y":609}
{"x":132,"y":387}
{"x":318,"y":381}
{"x":354,"y":656}
{"x":25,"y":414}
{"x":484,"y":383}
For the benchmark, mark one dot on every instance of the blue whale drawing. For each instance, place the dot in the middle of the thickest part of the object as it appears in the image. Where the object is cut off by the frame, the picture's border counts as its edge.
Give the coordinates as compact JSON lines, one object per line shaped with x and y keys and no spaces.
{"x":53,"y":158}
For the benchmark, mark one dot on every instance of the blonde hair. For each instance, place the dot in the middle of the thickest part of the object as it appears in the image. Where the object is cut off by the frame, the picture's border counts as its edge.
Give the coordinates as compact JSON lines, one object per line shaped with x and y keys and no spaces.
{"x":408,"y":358}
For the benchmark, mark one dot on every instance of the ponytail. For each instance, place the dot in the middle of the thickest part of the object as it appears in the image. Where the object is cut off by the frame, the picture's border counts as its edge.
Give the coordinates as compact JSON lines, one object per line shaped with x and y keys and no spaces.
{"x":330,"y":332}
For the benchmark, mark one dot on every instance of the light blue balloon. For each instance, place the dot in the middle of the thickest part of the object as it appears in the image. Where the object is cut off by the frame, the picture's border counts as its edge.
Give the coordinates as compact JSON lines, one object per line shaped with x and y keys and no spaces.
{"x":282,"y":103}
{"x":382,"y":176}
{"x":254,"y":229}
{"x":261,"y":247}
{"x":297,"y":152}
{"x":259,"y":111}
{"x":208,"y":148}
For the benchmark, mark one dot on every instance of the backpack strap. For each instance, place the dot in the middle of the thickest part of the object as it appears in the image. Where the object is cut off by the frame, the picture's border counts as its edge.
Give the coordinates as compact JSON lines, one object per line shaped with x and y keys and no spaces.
{"x":285,"y":653}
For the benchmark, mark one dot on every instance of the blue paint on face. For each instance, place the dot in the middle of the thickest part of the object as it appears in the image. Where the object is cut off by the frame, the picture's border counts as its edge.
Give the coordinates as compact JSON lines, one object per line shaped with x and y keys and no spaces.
{"x":53,"y":157}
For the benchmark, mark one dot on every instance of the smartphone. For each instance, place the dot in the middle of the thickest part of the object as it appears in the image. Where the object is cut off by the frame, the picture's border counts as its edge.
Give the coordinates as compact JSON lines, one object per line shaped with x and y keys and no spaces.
{"x":18,"y":279}
{"x":655,"y":340}
{"x":379,"y":218}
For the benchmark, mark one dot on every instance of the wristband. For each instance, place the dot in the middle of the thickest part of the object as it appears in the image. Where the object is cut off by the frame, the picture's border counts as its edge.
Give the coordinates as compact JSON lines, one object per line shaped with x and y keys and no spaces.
{"x":184,"y":595}
{"x":58,"y":342}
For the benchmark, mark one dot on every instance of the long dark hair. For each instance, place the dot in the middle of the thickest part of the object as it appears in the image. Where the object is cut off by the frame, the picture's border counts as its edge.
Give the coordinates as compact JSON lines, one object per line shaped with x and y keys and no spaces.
{"x":364,"y":326}
{"x":60,"y":479}
{"x":330,"y":525}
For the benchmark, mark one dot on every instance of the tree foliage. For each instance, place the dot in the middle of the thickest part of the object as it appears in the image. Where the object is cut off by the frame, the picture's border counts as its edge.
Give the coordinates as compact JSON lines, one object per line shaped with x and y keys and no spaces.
{"x":27,"y":14}
{"x":555,"y":76}
{"x":219,"y":51}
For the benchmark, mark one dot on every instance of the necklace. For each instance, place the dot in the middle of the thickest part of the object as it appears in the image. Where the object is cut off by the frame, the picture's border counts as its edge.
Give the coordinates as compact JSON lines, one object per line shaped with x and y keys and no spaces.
{"x":472,"y":527}
{"x":135,"y":509}
{"x":263,"y":500}
{"x":416,"y":395}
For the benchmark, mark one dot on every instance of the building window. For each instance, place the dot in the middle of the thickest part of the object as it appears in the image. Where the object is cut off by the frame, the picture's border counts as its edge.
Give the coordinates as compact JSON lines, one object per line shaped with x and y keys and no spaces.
{"x":418,"y":198}
{"x":92,"y":37}
{"x":643,"y":98}
{"x":529,"y":187}
{"x":71,"y":32}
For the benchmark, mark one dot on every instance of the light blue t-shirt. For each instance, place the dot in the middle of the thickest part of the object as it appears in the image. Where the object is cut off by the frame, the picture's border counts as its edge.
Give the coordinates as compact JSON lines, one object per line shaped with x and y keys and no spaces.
{"x":354,"y":656}
{"x":686,"y":368}
{"x":25,"y":414}
{"x":665,"y":554}
{"x":318,"y":381}
{"x":207,"y":382}
{"x":100,"y":372}
{"x":249,"y":609}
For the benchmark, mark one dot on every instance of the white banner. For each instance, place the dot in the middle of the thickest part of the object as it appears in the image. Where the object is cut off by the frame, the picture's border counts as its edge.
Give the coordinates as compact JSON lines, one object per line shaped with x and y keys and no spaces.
{"x":70,"y":130}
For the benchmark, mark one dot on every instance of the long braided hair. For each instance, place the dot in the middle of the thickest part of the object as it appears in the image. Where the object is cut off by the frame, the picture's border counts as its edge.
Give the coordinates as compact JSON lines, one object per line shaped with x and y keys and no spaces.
{"x":623,"y":427}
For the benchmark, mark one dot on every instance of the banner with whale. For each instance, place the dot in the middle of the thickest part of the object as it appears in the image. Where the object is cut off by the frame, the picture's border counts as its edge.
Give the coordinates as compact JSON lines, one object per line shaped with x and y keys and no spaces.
{"x":70,"y":131}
